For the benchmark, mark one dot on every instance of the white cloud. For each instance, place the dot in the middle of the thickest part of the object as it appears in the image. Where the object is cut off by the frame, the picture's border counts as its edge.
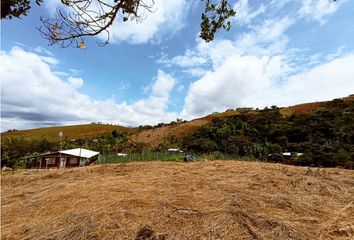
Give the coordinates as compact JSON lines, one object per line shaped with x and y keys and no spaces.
{"x":276,"y":4}
{"x":163,"y":84}
{"x":265,"y":39}
{"x":244,"y":14}
{"x":217,"y":51}
{"x":252,"y":81}
{"x":122,"y":86}
{"x":41,"y":98}
{"x":273,"y":29}
{"x":52,"y":6}
{"x":195,"y":71}
{"x":226,"y":86}
{"x":75,"y":82}
{"x":167,"y":18}
{"x":258,"y":68}
{"x":203,"y":56}
{"x":42,"y":50}
{"x":319,"y":10}
{"x":231,"y":71}
{"x":50,"y":60}
{"x":323,"y":82}
{"x":187,"y":60}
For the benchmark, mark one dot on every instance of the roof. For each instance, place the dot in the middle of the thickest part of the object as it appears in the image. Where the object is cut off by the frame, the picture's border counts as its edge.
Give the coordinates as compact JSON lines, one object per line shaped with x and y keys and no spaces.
{"x":122,"y":154}
{"x":292,"y":153}
{"x":174,"y":150}
{"x":80,"y":152}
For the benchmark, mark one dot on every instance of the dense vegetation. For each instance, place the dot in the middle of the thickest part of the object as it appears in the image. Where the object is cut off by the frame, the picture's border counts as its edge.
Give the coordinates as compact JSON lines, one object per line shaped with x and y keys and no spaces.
{"x":20,"y":151}
{"x":325,"y":136}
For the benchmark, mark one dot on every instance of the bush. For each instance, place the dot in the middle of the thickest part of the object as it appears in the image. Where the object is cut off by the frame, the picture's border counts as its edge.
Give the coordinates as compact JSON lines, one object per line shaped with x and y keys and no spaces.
{"x":274,"y":148}
{"x":306,"y":159}
{"x":275,"y":157}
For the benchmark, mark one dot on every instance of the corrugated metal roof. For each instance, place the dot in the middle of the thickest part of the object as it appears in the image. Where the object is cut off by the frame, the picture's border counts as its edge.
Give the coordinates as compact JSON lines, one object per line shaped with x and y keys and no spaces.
{"x":174,"y":150}
{"x":80,"y":152}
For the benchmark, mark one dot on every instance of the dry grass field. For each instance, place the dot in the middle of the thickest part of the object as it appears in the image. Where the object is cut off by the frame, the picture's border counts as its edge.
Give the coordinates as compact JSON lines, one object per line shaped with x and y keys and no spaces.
{"x":159,"y":200}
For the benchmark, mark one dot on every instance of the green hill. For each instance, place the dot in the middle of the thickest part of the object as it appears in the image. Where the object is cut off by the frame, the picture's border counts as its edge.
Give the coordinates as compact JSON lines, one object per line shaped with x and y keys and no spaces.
{"x":70,"y":132}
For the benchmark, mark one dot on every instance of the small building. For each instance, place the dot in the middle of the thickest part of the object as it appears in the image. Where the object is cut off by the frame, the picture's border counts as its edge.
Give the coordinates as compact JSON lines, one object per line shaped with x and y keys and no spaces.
{"x":292,"y":157}
{"x":286,"y":154}
{"x":76,"y":157}
{"x":292,"y":154}
{"x":285,"y":157}
{"x":174,"y":150}
{"x":121,"y":154}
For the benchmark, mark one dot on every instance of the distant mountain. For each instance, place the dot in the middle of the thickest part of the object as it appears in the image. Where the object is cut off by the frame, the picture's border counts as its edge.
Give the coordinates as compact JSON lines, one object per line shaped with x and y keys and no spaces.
{"x":153,"y":136}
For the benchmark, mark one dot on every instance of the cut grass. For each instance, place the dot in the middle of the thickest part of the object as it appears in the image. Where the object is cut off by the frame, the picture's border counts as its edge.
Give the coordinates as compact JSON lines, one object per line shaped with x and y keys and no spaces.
{"x":172,"y":200}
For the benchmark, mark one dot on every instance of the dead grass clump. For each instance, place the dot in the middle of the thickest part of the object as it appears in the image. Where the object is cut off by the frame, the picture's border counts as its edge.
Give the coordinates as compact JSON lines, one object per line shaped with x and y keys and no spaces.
{"x":146,"y":233}
{"x":341,"y":226}
{"x":53,"y":174}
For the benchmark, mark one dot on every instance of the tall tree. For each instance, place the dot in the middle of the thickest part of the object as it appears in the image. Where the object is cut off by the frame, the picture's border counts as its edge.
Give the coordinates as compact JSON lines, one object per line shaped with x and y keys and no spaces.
{"x":84,"y":18}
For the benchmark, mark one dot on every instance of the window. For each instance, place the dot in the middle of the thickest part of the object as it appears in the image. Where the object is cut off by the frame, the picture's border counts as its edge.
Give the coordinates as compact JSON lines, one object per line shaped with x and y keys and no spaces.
{"x":73,"y":160}
{"x":50,"y":160}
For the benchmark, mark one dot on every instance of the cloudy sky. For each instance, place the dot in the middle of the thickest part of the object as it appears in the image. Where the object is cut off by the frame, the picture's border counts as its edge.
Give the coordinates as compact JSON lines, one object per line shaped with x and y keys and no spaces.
{"x":277,"y":53}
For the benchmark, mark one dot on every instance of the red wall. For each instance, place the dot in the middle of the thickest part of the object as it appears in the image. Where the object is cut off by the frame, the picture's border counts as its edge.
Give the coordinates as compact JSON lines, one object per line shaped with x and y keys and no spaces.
{"x":57,"y":161}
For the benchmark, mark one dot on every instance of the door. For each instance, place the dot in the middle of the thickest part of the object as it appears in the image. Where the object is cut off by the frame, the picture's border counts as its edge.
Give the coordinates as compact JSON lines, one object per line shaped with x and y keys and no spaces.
{"x":62,"y":162}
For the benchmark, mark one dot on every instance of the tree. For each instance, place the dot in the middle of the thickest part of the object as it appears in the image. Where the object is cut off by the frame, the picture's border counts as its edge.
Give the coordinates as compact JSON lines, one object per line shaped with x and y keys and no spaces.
{"x":15,"y":8}
{"x":85,"y":18}
{"x":215,"y":16}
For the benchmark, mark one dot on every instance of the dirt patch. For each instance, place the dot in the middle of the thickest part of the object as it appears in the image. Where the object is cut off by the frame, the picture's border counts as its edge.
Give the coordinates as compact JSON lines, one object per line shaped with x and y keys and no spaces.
{"x":201,"y":200}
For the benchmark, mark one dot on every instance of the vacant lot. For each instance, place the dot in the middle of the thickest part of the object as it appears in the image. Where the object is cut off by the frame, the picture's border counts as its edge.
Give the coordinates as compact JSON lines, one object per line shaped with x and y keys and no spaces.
{"x":202,"y":200}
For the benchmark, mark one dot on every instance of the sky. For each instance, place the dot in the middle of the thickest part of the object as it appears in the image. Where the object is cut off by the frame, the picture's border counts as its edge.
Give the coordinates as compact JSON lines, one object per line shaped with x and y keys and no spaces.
{"x":280,"y":52}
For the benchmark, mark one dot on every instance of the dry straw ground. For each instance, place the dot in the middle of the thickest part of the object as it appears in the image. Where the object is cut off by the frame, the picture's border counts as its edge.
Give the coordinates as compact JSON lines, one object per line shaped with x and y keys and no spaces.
{"x":202,"y":200}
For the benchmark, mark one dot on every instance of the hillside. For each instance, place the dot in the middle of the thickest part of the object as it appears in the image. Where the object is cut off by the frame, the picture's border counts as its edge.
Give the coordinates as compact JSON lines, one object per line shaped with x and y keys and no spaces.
{"x":70,"y":132}
{"x":323,"y":131}
{"x":155,"y":136}
{"x":307,"y":108}
{"x":202,"y":200}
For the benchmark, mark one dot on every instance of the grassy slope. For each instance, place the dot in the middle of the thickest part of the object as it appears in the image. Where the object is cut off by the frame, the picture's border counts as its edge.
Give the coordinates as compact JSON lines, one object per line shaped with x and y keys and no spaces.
{"x":74,"y":131}
{"x":153,"y":137}
{"x":202,"y":200}
{"x":306,"y":108}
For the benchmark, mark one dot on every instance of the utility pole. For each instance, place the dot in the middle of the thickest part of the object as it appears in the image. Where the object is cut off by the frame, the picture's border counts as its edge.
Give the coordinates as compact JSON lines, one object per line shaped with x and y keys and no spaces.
{"x":61,"y":146}
{"x":80,"y":157}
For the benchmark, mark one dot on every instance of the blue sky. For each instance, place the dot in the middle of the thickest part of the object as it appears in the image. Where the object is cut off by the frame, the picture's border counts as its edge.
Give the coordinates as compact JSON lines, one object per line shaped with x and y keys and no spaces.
{"x":277,"y":53}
